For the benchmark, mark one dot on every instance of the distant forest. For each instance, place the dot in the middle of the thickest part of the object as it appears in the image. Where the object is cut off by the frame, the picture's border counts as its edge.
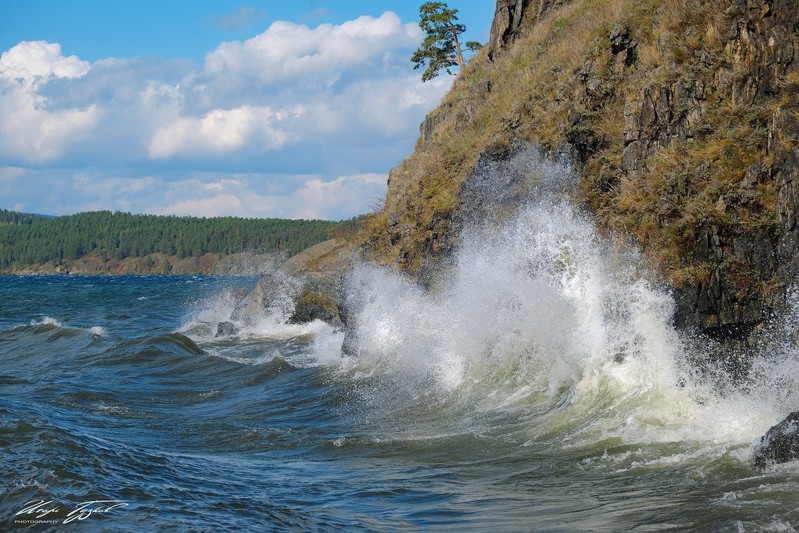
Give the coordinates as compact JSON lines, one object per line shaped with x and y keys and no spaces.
{"x":33,"y":239}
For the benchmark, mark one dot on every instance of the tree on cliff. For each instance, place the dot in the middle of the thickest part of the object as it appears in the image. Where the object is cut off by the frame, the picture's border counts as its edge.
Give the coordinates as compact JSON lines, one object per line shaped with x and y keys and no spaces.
{"x":441,"y":49}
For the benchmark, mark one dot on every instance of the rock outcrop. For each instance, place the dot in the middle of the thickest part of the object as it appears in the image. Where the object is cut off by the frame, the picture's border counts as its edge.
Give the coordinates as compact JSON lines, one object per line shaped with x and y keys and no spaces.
{"x":745,"y":264}
{"x":509,"y":16}
{"x":780,"y":444}
{"x":681,"y":118}
{"x":304,"y":288}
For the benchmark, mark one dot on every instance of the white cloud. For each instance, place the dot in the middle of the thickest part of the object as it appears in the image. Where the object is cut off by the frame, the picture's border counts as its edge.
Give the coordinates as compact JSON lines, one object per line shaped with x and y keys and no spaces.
{"x":345,"y":194}
{"x":381,"y":107}
{"x":223,"y":184}
{"x":219,"y":132}
{"x":37,"y":59}
{"x":288,"y":51}
{"x":316,"y":198}
{"x":158,"y":95}
{"x":64,"y":191}
{"x":215,"y":206}
{"x":31,"y":132}
{"x":326,"y":110}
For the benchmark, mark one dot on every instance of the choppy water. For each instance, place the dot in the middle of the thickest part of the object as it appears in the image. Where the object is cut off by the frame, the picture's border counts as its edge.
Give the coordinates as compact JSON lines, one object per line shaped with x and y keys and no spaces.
{"x":540,"y":388}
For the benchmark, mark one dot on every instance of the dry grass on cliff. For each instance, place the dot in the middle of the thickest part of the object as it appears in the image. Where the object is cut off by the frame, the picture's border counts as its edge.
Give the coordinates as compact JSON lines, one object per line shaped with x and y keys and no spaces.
{"x":562,"y":67}
{"x":532,"y":86}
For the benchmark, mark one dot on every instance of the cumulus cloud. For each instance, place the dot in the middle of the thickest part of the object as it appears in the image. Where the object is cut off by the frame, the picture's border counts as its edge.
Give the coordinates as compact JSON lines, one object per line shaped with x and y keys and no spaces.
{"x":333,"y":84}
{"x":38,"y":59}
{"x":31,"y":132}
{"x":373,"y":110}
{"x":326,"y":111}
{"x":219,"y":132}
{"x":288,"y":51}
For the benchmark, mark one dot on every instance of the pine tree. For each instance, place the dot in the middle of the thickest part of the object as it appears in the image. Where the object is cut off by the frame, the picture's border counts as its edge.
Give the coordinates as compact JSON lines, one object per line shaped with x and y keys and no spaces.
{"x":441,"y":48}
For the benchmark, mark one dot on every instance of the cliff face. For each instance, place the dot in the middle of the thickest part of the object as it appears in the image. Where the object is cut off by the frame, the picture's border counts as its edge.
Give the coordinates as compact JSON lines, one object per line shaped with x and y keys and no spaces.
{"x":720,"y":118}
{"x":681,"y":116}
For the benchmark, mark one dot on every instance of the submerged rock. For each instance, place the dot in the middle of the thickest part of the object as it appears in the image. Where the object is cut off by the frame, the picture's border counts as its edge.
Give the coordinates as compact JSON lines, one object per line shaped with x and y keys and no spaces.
{"x":780,"y":444}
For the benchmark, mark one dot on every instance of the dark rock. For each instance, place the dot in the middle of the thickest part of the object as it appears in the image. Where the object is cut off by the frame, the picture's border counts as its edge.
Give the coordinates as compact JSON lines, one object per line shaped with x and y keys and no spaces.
{"x":509,"y":16}
{"x":621,"y":41}
{"x":506,"y":23}
{"x":428,"y":126}
{"x":301,"y":289}
{"x":780,"y":444}
{"x":760,"y":49}
{"x":226,"y":329}
{"x":312,"y":306}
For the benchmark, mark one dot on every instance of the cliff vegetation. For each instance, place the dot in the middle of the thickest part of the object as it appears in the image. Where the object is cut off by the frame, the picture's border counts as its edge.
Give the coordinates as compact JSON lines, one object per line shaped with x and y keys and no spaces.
{"x":682,"y":118}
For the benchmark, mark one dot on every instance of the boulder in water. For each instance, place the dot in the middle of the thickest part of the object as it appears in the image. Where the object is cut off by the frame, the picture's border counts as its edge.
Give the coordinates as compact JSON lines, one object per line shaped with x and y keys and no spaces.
{"x":780,"y":444}
{"x":226,"y":329}
{"x":311,"y":306}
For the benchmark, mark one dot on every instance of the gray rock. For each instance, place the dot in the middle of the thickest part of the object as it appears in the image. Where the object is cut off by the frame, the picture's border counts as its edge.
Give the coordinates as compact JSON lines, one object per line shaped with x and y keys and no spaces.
{"x":226,"y":329}
{"x":780,"y":444}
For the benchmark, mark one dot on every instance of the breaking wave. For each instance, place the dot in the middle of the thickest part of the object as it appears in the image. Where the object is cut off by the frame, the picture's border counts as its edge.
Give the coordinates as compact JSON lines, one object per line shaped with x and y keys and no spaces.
{"x":544,"y":330}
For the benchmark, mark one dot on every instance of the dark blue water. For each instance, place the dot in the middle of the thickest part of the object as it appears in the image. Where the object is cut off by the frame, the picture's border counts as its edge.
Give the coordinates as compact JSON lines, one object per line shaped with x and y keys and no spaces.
{"x":120,"y":411}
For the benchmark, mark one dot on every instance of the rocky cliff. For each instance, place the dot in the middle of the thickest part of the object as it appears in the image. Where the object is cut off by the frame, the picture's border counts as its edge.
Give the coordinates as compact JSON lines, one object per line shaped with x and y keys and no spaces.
{"x":682,"y":118}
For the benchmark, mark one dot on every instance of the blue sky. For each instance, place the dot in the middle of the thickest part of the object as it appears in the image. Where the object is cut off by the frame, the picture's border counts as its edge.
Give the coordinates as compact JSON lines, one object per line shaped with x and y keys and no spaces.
{"x":211,"y":108}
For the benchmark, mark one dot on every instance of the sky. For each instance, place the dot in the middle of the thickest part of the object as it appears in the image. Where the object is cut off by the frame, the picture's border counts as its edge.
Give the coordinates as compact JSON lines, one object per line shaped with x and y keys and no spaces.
{"x":271,"y":108}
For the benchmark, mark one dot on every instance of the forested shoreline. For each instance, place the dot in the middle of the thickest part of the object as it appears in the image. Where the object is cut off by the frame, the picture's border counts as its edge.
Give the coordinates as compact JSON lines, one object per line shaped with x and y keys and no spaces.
{"x":28,"y":242}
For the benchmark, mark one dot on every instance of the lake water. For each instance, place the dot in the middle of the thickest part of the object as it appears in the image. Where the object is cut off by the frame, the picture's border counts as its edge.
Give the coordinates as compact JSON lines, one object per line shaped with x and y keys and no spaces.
{"x":541,"y":387}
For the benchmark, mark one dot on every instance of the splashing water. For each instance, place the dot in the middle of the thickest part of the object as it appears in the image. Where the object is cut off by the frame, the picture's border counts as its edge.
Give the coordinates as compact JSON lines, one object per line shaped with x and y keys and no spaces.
{"x":542,"y":320}
{"x":540,"y":386}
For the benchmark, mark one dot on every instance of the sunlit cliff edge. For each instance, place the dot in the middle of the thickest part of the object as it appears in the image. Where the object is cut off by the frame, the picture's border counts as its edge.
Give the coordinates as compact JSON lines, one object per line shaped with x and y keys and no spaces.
{"x":681,"y":117}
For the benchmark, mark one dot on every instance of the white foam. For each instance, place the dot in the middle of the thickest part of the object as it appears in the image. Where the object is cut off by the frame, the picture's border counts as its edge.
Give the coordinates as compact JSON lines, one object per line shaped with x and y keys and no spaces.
{"x":540,"y":314}
{"x":98,"y":331}
{"x":46,"y":321}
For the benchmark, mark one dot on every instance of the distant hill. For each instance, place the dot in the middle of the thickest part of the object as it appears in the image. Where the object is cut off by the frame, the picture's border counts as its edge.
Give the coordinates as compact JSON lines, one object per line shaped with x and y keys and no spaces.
{"x":106,"y":241}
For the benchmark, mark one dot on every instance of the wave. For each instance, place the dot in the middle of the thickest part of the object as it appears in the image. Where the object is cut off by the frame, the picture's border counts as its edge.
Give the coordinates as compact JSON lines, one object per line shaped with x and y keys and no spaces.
{"x":257,"y":335}
{"x":48,"y":324}
{"x":546,"y":331}
{"x":43,"y":337}
{"x":541,"y":333}
{"x":47,"y":320}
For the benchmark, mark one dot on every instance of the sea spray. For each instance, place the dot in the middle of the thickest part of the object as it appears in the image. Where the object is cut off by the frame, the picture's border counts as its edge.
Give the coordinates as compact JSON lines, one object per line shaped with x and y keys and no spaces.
{"x":541,"y":330}
{"x":541,"y":320}
{"x":261,"y":309}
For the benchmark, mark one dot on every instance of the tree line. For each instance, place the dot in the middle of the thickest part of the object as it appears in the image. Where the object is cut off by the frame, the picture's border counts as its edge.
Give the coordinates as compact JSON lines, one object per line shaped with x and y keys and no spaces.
{"x":27,"y":240}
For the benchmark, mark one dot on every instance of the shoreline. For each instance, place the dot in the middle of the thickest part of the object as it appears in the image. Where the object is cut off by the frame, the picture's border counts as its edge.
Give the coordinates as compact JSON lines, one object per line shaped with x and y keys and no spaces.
{"x":242,"y":264}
